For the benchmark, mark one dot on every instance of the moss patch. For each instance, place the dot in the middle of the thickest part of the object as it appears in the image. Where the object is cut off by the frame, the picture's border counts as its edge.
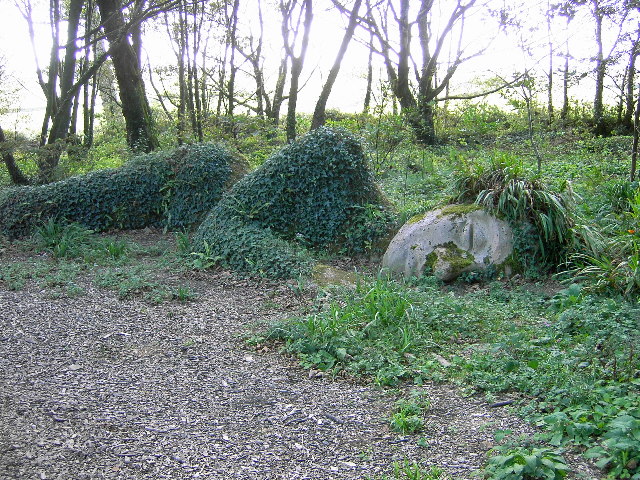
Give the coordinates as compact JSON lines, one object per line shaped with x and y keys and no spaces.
{"x":447,"y":261}
{"x":430,"y":262}
{"x":457,"y":258}
{"x":416,"y":218}
{"x":459,"y":209}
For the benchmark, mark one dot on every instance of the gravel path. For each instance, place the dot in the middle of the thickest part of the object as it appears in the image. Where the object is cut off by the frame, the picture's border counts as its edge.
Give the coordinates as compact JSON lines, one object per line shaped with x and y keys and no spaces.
{"x":94,"y":387}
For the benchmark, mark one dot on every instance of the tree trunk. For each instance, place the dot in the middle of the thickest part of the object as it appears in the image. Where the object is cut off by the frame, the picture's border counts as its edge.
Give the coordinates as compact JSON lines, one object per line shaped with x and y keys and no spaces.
{"x":16,"y":175}
{"x":62,"y":116}
{"x":59,"y":107}
{"x":425,"y":125}
{"x":627,"y":118}
{"x":599,"y":124}
{"x":73,"y":124}
{"x":565,"y":87}
{"x":319,"y":113}
{"x":550,"y":71}
{"x":622,"y":89}
{"x":180,"y":41}
{"x":399,"y":77}
{"x":89,"y":90}
{"x":420,"y":111}
{"x":367,"y":95}
{"x":184,"y":31}
{"x":89,"y":109}
{"x":233,"y":69}
{"x":136,"y":32}
{"x":254,"y":57}
{"x":188,"y":40}
{"x":636,"y":135}
{"x":260,"y":91}
{"x":222,"y":77}
{"x":106,"y":86}
{"x":296,"y":69}
{"x":141,"y":136}
{"x":51,"y":87}
{"x":197,"y":104}
{"x":273,"y":113}
{"x":297,"y":62}
{"x":402,"y":87}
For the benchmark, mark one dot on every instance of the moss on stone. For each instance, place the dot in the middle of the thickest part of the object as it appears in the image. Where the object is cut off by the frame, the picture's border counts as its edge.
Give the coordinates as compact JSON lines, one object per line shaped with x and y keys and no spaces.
{"x":457,"y":258}
{"x":430,"y":262}
{"x":510,"y":266}
{"x":416,"y":218}
{"x":449,"y":257}
{"x":459,"y":209}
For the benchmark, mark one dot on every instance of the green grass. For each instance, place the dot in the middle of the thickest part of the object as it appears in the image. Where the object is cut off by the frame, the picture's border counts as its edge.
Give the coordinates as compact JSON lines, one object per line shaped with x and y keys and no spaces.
{"x":412,"y":470}
{"x":408,"y":414}
{"x":65,"y":253}
{"x":392,"y":332}
{"x":183,"y":293}
{"x":15,"y":275}
{"x":568,"y":354}
{"x":128,"y":281}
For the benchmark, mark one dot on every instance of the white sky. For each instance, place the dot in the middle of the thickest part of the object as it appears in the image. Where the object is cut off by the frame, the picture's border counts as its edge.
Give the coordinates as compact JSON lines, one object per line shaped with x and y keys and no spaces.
{"x":503,"y":57}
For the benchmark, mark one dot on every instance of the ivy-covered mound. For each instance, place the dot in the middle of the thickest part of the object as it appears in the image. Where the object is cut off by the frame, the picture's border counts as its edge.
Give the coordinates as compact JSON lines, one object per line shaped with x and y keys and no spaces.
{"x":317,"y":192}
{"x":173,"y":189}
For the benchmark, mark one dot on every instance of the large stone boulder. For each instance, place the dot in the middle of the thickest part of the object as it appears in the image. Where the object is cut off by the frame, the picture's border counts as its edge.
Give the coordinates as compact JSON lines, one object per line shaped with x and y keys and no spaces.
{"x":450,"y":241}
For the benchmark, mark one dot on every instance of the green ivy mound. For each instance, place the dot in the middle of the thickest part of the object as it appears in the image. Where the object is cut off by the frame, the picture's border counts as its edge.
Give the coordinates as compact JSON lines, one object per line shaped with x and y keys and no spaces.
{"x":200,"y":175}
{"x":167,"y":189}
{"x":316,"y":193}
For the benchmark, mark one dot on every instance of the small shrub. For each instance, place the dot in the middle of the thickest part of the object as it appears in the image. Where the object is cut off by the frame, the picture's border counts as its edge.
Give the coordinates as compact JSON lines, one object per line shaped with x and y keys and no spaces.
{"x":514,"y":463}
{"x":183,"y":244}
{"x":373,"y":331}
{"x":115,"y":249}
{"x":407,"y":417}
{"x":617,"y":195}
{"x":64,"y":275}
{"x":476,"y":120}
{"x":616,"y":147}
{"x":368,"y":231}
{"x":62,"y":240}
{"x":615,"y":266}
{"x":128,"y":282}
{"x":407,"y":470}
{"x":14,"y":276}
{"x":585,"y":422}
{"x":183,"y":293}
{"x":203,"y":260}
{"x":619,"y":452}
{"x":385,"y":134}
{"x":542,"y":219}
